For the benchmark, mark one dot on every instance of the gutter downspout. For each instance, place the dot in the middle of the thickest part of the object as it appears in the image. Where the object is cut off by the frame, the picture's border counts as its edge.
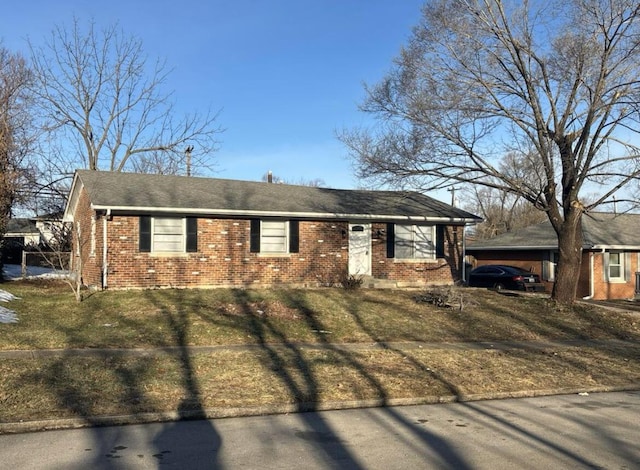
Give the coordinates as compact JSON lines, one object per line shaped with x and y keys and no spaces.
{"x":464,"y":253}
{"x":591,"y":277}
{"x":104,"y":248}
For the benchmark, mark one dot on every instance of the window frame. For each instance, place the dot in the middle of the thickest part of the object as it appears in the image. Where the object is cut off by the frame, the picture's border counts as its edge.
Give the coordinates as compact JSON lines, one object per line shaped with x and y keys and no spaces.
{"x":264,"y":238}
{"x":155,"y":234}
{"x":620,"y":265}
{"x":291,"y":235}
{"x":188,"y":235}
{"x":414,"y":229}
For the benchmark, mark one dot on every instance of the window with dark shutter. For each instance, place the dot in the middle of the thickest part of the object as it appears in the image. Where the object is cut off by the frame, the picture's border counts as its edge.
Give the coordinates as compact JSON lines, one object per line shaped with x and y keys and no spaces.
{"x":192,"y":234}
{"x":254,"y":238}
{"x":294,"y":236}
{"x":145,"y":234}
{"x":391,"y":241}
{"x":440,"y":236}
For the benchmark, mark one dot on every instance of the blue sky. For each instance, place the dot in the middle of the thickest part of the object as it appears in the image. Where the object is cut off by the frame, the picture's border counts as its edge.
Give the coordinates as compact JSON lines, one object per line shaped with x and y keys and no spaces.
{"x":286,"y":74}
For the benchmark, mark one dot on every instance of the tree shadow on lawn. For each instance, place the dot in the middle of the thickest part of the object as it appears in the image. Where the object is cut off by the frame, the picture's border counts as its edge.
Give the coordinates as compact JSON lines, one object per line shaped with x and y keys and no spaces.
{"x":64,"y":381}
{"x":284,"y":357}
{"x":521,"y":318}
{"x":304,"y":385}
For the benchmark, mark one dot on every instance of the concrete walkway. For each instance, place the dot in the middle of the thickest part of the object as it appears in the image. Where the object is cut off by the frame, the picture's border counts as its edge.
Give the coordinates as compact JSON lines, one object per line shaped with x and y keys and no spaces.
{"x":397,"y":346}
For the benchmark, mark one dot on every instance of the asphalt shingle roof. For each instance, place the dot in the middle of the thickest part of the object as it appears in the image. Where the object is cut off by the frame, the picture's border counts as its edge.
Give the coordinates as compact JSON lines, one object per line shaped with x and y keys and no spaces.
{"x":600,"y":229}
{"x":133,"y":191}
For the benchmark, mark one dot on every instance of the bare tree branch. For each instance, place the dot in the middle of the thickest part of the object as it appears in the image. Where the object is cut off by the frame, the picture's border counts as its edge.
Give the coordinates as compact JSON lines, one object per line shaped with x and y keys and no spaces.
{"x":555,"y":83}
{"x":16,"y":134}
{"x":101,"y":96}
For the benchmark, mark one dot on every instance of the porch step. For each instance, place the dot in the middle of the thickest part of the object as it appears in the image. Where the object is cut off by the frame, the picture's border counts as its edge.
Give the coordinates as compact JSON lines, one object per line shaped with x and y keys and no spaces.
{"x":373,"y":283}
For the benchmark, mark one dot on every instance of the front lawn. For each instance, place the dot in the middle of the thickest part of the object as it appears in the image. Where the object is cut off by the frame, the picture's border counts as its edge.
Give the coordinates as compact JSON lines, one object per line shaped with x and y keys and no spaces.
{"x":279,"y":368}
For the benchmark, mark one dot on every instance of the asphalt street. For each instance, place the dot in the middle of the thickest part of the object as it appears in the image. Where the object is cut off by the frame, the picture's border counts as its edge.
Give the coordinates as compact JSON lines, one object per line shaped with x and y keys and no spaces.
{"x":568,"y":431}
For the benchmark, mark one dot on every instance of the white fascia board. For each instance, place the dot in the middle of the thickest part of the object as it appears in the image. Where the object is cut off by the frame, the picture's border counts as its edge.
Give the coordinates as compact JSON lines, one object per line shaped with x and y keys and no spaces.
{"x":301,"y":215}
{"x":617,"y":247}
{"x":511,"y":248}
{"x":72,"y":202}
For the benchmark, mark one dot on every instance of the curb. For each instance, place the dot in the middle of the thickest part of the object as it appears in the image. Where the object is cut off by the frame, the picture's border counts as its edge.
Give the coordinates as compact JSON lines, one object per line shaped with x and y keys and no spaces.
{"x":239,"y":412}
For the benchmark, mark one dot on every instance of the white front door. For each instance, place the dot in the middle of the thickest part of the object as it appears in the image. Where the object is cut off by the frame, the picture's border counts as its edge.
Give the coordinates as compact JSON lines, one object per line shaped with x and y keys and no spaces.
{"x":360,"y":249}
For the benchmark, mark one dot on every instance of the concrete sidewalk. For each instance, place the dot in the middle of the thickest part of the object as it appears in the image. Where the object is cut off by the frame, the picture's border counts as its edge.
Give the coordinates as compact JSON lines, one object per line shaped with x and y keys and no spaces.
{"x":559,"y":432}
{"x":396,"y":346}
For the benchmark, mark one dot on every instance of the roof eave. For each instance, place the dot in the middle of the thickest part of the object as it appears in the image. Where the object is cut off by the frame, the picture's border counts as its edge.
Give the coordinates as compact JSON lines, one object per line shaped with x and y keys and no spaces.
{"x":615,"y":247}
{"x":298,"y":215}
{"x":513,"y":247}
{"x":67,"y":216}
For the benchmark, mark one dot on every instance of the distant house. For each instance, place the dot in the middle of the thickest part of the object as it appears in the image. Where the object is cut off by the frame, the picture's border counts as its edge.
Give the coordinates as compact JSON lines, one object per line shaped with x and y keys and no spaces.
{"x":20,"y":233}
{"x":146,"y":231}
{"x":29,"y":233}
{"x":50,"y":227}
{"x":610,"y":259}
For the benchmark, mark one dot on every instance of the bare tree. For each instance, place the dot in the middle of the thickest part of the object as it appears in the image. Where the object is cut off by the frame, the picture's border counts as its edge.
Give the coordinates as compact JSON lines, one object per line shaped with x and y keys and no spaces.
{"x":500,"y":211}
{"x":503,"y":211}
{"x":555,"y":81}
{"x":108,"y":105}
{"x":16,"y":133}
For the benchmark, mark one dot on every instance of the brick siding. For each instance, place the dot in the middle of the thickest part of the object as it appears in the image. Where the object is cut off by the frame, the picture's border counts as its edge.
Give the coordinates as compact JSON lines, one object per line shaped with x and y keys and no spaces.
{"x":224,"y":258}
{"x":602,"y":290}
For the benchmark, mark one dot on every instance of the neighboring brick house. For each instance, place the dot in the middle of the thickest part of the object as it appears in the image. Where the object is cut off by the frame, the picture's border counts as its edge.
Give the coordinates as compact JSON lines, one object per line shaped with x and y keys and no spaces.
{"x":147,"y":231}
{"x":610,"y":254}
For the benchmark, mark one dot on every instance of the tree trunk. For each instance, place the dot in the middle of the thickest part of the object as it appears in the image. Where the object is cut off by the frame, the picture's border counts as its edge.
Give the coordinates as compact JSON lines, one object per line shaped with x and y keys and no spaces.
{"x":570,"y":242}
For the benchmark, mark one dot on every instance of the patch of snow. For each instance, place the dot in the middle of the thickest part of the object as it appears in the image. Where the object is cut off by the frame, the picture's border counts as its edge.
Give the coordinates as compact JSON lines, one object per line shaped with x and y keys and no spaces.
{"x":7,"y":316}
{"x":7,"y":296}
{"x":14,"y":271}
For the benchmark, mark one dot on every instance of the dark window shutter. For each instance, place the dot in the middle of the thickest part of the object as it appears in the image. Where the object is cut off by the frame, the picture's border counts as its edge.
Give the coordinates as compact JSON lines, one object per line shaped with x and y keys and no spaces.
{"x":254,"y":240}
{"x":145,"y":234}
{"x":192,"y":234}
{"x":391,"y":241}
{"x":294,"y":236}
{"x":440,"y":235}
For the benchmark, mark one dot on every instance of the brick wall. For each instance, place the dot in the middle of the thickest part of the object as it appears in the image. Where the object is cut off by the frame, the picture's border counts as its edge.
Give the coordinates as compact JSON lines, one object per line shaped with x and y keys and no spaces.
{"x":87,"y":258}
{"x":613,"y":290}
{"x":224,"y":258}
{"x":532,"y":260}
{"x":445,"y":270}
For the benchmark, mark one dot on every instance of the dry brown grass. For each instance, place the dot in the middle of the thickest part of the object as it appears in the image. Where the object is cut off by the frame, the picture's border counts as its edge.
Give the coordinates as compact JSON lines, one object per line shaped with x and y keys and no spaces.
{"x":279,"y":369}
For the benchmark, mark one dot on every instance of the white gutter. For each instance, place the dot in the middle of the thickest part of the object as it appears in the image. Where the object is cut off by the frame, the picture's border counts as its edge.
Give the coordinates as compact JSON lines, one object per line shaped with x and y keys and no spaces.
{"x":592,"y":289}
{"x":305,"y":215}
{"x":514,"y":247}
{"x":464,"y":255}
{"x":616,"y":247}
{"x":591,"y":278}
{"x":104,"y":248}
